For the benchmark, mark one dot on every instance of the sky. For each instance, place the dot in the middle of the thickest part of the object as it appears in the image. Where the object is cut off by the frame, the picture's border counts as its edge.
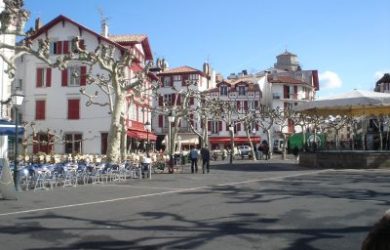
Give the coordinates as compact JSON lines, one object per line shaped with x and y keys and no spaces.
{"x":347,"y":41}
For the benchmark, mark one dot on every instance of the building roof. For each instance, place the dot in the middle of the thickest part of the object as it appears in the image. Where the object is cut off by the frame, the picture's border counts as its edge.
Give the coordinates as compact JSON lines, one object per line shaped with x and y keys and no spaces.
{"x":287,"y":53}
{"x":181,"y":70}
{"x":249,"y":83}
{"x":131,"y":39}
{"x":385,"y":79}
{"x":117,"y":40}
{"x":64,"y":19}
{"x":284,"y":79}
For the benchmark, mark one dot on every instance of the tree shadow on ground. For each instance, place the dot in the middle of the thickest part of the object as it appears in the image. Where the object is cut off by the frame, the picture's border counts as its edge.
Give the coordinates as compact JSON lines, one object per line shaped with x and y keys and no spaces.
{"x":189,"y":234}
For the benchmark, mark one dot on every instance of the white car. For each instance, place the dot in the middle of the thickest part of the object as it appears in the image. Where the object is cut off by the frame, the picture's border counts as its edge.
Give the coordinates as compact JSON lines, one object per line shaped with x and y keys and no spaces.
{"x":244,"y":150}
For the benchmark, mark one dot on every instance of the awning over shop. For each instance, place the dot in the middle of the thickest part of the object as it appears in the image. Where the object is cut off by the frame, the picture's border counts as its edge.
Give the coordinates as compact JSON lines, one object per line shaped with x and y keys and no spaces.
{"x":141,"y":135}
{"x":241,"y":139}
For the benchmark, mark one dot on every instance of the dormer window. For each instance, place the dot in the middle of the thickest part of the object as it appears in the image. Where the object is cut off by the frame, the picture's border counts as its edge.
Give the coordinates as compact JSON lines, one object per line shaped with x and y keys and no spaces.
{"x":223,"y":90}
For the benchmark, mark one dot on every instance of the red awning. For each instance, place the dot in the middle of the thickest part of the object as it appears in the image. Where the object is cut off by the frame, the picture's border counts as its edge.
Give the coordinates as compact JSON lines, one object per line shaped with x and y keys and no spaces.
{"x":141,"y":135}
{"x":236,"y":139}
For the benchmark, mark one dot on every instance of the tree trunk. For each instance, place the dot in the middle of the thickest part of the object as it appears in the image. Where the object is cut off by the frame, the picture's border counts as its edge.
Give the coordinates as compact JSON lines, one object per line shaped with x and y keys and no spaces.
{"x":114,"y":150}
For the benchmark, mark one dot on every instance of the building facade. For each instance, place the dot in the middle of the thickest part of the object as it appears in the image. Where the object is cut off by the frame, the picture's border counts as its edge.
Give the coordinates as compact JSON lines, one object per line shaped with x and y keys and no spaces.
{"x":176,"y":85}
{"x":61,"y":118}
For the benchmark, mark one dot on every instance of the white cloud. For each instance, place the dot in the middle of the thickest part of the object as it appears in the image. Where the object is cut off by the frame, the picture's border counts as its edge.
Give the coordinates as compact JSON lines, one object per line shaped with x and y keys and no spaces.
{"x":329,"y":80}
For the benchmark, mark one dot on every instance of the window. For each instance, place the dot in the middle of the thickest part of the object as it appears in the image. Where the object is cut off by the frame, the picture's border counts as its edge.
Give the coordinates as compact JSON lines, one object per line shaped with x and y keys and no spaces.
{"x":167,"y":81}
{"x":193,"y":77}
{"x":43,"y":142}
{"x":40,"y":112}
{"x":59,"y":47}
{"x":73,"y":143}
{"x":177,"y":78}
{"x":241,"y":90}
{"x":73,"y":109}
{"x":223,"y":90}
{"x":74,"y":76}
{"x":43,"y":77}
{"x":103,"y":143}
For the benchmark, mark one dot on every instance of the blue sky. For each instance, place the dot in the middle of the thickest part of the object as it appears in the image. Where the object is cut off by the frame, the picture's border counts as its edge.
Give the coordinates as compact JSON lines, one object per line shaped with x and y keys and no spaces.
{"x":347,"y":41}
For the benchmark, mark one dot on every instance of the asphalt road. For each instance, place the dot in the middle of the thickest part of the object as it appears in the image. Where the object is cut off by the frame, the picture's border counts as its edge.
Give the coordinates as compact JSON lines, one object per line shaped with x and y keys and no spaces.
{"x":268,"y":205}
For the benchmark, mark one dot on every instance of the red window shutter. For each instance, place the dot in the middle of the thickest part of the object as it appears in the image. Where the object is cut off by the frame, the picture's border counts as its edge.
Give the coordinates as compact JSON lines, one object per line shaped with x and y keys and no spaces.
{"x":64,"y":77}
{"x":73,"y":109}
{"x":83,"y":75}
{"x":160,"y":101}
{"x":40,"y":109}
{"x":219,"y":126}
{"x":59,"y":47}
{"x":48,"y":77}
{"x":66,"y":47}
{"x":39,"y":82}
{"x":160,"y":121}
{"x":82,"y":44}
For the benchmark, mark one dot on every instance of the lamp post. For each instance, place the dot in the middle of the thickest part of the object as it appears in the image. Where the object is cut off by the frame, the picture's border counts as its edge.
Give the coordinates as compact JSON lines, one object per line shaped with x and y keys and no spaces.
{"x":231,"y":129}
{"x":17,"y":100}
{"x":171,"y":119}
{"x":148,"y":128}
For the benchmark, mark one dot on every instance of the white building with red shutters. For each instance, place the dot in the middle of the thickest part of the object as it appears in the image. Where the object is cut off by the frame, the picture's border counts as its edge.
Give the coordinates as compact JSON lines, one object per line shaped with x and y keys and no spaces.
{"x":173,"y":83}
{"x":284,"y":86}
{"x":244,"y":94}
{"x":63,"y":123}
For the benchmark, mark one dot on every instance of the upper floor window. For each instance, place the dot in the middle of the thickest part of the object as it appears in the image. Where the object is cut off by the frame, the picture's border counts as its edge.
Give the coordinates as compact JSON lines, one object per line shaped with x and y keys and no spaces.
{"x":74,"y":109}
{"x":40,"y":110}
{"x":63,"y":47}
{"x":167,"y":81}
{"x":74,"y":76}
{"x":193,"y":77}
{"x":43,"y":77}
{"x":223,"y":90}
{"x":177,"y":78}
{"x":241,"y":90}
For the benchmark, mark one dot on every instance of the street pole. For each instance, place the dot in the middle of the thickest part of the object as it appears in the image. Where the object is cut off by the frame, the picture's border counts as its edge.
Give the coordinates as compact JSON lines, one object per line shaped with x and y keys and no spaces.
{"x":16,"y":150}
{"x":171,"y":119}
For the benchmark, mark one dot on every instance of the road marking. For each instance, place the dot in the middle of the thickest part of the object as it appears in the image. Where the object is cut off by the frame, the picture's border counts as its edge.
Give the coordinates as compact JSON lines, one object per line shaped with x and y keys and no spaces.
{"x":181,"y":190}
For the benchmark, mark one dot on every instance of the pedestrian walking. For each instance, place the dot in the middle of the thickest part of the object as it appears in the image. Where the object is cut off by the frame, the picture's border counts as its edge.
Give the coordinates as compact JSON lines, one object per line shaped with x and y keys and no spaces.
{"x":205,"y":153}
{"x":266,"y":150}
{"x":194,"y":160}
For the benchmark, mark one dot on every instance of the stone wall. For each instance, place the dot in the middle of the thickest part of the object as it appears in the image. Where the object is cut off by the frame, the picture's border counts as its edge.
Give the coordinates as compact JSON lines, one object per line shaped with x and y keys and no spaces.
{"x":345,"y":159}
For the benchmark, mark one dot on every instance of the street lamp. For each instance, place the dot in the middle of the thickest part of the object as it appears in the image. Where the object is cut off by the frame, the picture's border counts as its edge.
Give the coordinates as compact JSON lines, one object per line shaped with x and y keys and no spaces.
{"x":231,"y":129}
{"x":17,"y":100}
{"x":171,"y":119}
{"x":148,"y":128}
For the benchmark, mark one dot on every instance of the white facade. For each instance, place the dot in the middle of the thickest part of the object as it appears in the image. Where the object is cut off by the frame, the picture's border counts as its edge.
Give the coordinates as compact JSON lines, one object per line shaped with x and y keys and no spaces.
{"x":172,"y":82}
{"x":88,"y":132}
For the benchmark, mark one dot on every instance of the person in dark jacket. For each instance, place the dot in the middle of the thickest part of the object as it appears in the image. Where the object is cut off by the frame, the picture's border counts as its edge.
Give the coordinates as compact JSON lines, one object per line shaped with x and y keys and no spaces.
{"x":205,"y":153}
{"x":194,"y":160}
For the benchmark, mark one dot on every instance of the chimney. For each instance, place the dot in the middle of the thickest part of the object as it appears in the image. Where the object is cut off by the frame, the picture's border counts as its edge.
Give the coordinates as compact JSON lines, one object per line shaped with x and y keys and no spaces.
{"x":38,"y":24}
{"x":104,"y":28}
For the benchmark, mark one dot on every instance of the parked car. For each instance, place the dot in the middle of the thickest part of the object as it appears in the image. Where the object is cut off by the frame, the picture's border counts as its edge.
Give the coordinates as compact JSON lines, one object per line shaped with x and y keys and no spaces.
{"x":244,"y":150}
